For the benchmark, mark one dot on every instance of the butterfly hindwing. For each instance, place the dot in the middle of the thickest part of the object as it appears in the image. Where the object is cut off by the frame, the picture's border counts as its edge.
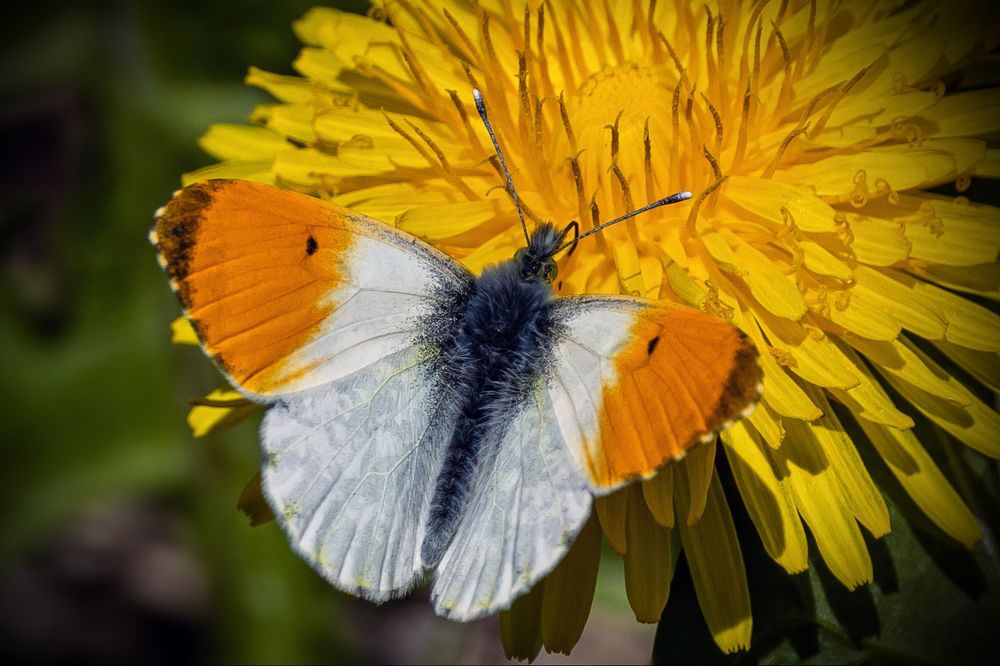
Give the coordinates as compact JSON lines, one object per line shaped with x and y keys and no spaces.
{"x":349,"y":470}
{"x":530,"y":501}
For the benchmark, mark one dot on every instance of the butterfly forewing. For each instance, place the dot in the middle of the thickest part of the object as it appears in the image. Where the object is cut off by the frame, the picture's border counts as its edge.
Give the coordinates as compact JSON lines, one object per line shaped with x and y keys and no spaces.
{"x":331,"y":319}
{"x":635,"y":383}
{"x":288,"y":292}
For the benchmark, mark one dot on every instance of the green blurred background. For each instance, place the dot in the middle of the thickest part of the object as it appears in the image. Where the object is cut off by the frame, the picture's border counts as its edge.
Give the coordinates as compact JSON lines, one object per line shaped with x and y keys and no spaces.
{"x":119,"y":537}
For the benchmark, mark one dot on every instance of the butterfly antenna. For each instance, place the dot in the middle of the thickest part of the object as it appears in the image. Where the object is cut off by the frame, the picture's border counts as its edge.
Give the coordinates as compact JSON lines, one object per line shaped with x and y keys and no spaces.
{"x":666,"y":201}
{"x":481,"y":107}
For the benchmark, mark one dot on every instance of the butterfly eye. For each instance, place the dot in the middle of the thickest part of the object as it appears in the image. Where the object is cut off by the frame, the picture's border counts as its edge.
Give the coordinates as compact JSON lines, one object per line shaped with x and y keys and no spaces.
{"x":549,"y":271}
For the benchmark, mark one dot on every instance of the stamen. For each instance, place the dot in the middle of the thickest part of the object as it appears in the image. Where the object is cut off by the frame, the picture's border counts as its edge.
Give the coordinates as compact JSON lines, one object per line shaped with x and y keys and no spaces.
{"x":595,"y":222}
{"x":430,"y":31}
{"x":623,"y":184}
{"x":471,"y":77}
{"x":593,"y":27}
{"x":843,"y":299}
{"x":614,"y":37}
{"x":540,"y":48}
{"x":696,"y":208}
{"x":647,"y":160}
{"x":788,"y":226}
{"x":843,"y":228}
{"x":541,"y":160}
{"x":741,"y":136}
{"x":526,"y":36}
{"x":526,"y":115}
{"x":814,"y":102}
{"x":675,"y":125}
{"x":756,"y":58}
{"x":786,"y":82}
{"x":404,"y":89}
{"x":718,"y":121}
{"x":526,"y":210}
{"x":755,"y":13}
{"x":694,"y":132}
{"x":681,"y":70}
{"x":713,"y":162}
{"x":647,"y":27}
{"x":412,"y":141}
{"x":468,"y":48}
{"x":615,"y":137}
{"x":494,"y":62}
{"x":450,"y":175}
{"x":539,"y":126}
{"x":575,"y":40}
{"x":437,"y":151}
{"x":574,"y":164}
{"x":413,"y":64}
{"x":715,"y":305}
{"x":562,"y":53}
{"x":720,"y":62}
{"x":781,"y":12}
{"x":769,"y":171}
{"x":709,"y":52}
{"x":566,"y":124}
{"x":846,"y":88}
{"x":884,"y":189}
{"x":810,"y":36}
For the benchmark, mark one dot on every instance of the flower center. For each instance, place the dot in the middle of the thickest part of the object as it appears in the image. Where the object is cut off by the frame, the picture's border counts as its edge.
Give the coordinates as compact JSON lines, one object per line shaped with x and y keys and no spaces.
{"x":634,"y":91}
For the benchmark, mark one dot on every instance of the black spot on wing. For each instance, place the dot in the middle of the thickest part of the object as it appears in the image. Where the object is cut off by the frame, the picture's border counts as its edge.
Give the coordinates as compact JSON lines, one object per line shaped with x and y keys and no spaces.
{"x":651,"y":347}
{"x":311,"y":245}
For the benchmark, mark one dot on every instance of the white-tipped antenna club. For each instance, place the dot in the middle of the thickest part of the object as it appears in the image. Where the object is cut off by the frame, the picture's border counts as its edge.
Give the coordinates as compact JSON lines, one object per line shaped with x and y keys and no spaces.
{"x":481,"y":107}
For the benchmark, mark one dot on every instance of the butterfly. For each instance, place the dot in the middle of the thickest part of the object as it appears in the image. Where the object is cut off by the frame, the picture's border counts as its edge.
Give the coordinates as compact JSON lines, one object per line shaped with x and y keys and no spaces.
{"x":425,"y":421}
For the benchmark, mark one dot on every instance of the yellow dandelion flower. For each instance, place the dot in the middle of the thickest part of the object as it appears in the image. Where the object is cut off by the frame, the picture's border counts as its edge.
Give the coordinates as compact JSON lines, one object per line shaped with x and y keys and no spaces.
{"x":809,"y":132}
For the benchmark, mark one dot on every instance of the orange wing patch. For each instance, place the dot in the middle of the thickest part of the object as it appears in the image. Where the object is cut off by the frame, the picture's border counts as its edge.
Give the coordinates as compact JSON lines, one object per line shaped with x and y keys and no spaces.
{"x":682,"y":377}
{"x":253,"y":266}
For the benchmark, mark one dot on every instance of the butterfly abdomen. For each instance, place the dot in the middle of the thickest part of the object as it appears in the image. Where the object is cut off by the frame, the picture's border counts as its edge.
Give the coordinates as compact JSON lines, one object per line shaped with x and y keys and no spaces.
{"x":492,"y":365}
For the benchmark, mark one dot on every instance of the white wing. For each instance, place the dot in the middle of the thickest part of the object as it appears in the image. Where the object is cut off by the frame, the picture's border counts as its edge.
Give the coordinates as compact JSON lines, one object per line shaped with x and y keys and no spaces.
{"x":349,"y":469}
{"x":527,"y":503}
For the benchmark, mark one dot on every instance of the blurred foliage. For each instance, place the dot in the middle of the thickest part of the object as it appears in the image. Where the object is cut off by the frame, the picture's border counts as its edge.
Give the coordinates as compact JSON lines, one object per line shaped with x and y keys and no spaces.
{"x":101,"y":104}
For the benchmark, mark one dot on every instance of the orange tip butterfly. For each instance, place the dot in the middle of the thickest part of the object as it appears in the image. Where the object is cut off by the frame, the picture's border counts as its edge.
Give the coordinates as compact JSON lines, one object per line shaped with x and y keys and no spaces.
{"x":425,"y":422}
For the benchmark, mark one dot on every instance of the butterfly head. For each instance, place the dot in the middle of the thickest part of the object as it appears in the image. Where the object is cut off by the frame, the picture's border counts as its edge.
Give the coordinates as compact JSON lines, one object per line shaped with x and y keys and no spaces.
{"x":535,"y":263}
